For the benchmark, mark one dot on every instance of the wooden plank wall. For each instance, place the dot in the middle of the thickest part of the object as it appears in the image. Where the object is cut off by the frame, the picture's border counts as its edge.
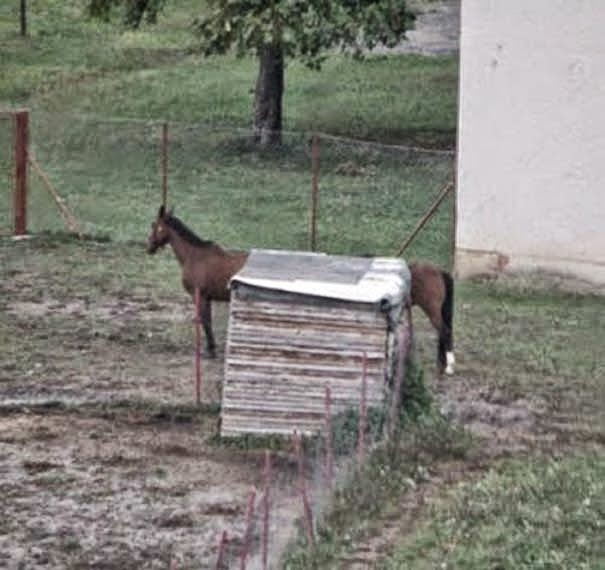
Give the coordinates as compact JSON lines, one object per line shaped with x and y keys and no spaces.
{"x":281,"y":354}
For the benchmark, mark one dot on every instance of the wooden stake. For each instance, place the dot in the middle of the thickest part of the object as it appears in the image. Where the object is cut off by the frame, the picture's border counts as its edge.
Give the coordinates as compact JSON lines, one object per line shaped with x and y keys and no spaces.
{"x":68,"y":217}
{"x":427,"y":216}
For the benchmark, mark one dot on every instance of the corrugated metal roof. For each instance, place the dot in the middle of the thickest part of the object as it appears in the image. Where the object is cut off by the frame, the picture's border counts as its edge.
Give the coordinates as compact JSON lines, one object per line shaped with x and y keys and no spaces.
{"x":358,"y":279}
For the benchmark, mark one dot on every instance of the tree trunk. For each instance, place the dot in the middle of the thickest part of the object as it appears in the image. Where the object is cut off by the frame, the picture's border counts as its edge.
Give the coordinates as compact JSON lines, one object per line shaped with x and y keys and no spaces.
{"x":268,"y":96}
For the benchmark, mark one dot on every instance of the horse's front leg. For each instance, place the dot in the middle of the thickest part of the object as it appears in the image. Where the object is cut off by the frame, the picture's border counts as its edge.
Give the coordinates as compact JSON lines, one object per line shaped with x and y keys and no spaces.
{"x":206,"y":318}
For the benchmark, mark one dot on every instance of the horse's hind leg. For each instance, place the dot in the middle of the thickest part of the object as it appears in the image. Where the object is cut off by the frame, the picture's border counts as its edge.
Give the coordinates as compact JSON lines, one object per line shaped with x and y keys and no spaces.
{"x":206,"y":318}
{"x":446,"y":352}
{"x":434,"y":314}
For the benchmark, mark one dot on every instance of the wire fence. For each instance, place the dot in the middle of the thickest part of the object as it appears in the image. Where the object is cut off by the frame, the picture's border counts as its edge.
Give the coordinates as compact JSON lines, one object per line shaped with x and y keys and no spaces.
{"x":109,"y":174}
{"x":70,"y":338}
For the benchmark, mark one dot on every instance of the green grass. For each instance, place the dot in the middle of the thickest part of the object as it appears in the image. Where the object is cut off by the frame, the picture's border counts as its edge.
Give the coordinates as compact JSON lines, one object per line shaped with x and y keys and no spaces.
{"x":70,"y":63}
{"x":545,"y":514}
{"x":98,"y":92}
{"x":540,"y":344}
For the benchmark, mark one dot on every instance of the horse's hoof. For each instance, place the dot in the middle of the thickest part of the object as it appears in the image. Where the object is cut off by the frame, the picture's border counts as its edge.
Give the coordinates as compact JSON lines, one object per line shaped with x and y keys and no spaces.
{"x":451,"y":362}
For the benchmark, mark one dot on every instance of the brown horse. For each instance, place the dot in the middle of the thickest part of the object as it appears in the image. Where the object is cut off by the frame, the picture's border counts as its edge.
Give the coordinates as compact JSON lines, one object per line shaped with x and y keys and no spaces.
{"x":205,"y":265}
{"x":433,"y":292}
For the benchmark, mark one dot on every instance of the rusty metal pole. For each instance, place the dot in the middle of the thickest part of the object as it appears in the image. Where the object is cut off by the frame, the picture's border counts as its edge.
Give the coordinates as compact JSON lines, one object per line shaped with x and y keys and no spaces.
{"x":404,"y":345}
{"x":220,"y":560}
{"x":248,"y":535}
{"x":427,"y":216}
{"x":21,"y":136}
{"x":314,"y":190}
{"x":363,"y":408}
{"x":164,"y":164}
{"x":307,"y":512}
{"x":198,"y":342}
{"x":266,"y":508}
{"x":329,"y":443}
{"x":23,"y":17}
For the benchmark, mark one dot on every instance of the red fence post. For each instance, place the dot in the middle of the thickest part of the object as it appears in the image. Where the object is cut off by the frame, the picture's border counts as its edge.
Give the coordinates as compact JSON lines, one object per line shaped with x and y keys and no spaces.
{"x":405,"y":340}
{"x":164,"y":164}
{"x":363,"y":408}
{"x":248,"y":535}
{"x":307,"y":512}
{"x":23,"y":17}
{"x":220,"y":560}
{"x":266,"y":508}
{"x":20,"y":191}
{"x":198,"y":342}
{"x":329,"y":473}
{"x":314,"y":189}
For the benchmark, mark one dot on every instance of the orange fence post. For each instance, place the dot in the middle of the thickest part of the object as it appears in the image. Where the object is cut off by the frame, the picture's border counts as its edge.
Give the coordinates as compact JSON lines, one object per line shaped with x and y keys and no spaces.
{"x":20,"y":192}
{"x":314,"y":190}
{"x":198,"y":343}
{"x":363,"y":408}
{"x":329,"y":474}
{"x":164,"y":164}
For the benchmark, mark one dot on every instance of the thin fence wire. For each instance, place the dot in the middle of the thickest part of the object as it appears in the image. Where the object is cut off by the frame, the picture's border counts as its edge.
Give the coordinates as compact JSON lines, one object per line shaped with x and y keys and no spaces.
{"x":109,"y":172}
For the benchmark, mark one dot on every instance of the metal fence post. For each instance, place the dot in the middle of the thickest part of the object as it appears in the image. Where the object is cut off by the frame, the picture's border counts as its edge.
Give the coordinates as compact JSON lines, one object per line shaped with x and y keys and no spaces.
{"x":314,"y":189}
{"x":21,"y":135}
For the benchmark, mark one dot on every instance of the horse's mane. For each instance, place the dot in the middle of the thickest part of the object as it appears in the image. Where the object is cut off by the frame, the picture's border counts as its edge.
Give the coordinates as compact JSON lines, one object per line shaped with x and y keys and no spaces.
{"x":186,"y":233}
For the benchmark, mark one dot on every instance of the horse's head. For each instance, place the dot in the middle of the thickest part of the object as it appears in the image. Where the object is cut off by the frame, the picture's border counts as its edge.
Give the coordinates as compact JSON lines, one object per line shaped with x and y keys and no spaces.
{"x":160,"y":234}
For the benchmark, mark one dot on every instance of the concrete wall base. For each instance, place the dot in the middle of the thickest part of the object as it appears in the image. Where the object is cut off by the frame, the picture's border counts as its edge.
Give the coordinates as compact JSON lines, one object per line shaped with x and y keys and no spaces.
{"x":474,"y":263}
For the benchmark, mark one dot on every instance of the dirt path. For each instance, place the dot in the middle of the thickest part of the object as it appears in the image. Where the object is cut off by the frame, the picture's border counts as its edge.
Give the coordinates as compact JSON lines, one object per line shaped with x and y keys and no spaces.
{"x":436,"y":31}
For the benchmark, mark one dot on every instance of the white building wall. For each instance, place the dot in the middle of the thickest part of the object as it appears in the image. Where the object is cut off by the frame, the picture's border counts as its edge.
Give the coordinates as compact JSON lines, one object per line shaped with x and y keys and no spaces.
{"x":531,"y":171}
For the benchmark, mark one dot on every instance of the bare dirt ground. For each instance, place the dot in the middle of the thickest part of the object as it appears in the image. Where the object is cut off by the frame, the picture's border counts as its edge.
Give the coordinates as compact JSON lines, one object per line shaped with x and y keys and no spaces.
{"x":104,"y":460}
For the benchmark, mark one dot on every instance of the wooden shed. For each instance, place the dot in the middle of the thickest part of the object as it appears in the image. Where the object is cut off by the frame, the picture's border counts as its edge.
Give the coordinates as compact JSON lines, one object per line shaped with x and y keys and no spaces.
{"x":301,"y":321}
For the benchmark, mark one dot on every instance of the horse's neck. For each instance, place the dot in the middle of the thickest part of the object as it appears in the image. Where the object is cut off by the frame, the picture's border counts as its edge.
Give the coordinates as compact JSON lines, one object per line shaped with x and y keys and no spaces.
{"x":181,"y":247}
{"x":184,"y":250}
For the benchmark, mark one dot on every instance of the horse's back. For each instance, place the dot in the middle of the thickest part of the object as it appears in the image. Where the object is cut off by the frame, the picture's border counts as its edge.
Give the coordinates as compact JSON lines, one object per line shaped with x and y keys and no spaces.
{"x":428,"y":286}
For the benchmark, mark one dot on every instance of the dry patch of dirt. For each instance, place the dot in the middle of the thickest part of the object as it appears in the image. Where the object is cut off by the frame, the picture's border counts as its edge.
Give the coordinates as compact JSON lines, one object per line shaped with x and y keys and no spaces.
{"x":93,"y":474}
{"x":112,"y":350}
{"x":87,"y":492}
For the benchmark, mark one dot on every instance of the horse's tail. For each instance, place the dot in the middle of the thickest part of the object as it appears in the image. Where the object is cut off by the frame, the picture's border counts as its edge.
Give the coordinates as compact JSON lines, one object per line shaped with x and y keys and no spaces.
{"x":446,"y":334}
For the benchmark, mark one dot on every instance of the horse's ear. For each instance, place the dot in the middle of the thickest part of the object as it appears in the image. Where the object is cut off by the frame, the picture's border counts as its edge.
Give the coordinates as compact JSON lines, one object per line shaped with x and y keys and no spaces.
{"x":162,"y":211}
